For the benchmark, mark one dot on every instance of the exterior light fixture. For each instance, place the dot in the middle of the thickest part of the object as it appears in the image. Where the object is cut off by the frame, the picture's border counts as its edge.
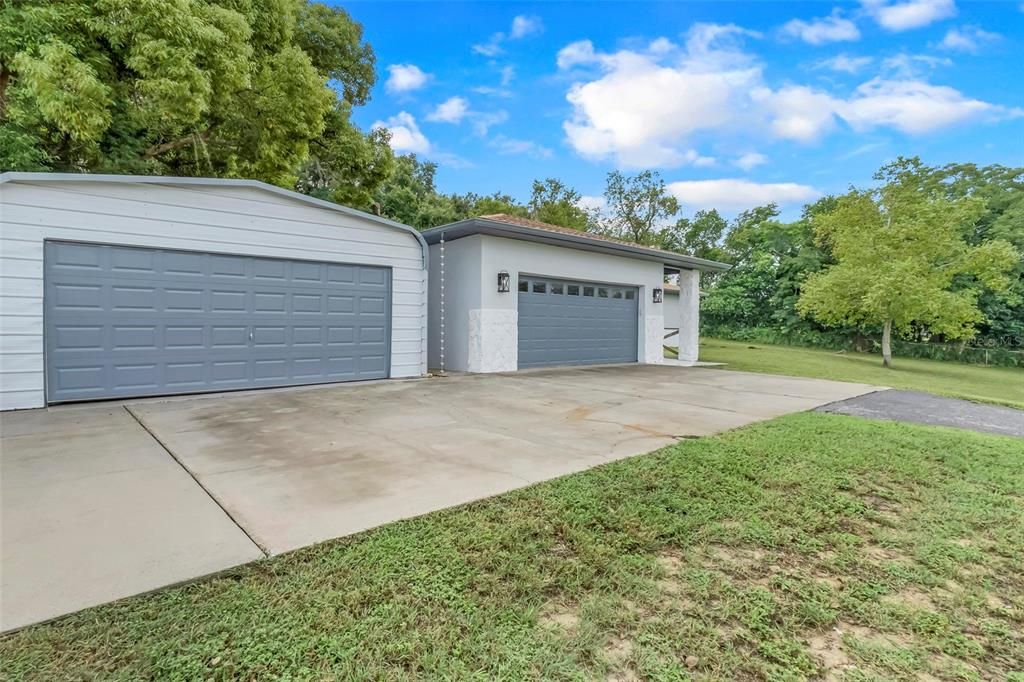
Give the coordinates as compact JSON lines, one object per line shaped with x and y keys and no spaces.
{"x":503,"y":282}
{"x":659,"y":294}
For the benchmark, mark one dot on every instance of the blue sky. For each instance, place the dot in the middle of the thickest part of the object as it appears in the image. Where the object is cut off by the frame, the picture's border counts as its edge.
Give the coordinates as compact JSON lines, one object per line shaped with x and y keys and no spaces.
{"x":734,"y":103}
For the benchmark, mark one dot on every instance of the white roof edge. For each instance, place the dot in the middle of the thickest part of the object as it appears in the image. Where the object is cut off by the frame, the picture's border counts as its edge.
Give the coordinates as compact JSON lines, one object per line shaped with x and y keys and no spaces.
{"x":20,"y":176}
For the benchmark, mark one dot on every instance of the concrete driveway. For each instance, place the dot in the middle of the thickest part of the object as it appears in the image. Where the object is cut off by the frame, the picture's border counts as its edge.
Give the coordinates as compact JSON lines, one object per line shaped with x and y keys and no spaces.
{"x":95,"y":508}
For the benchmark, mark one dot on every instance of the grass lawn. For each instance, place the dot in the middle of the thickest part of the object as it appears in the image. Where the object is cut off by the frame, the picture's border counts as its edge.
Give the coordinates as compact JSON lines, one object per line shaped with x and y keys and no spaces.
{"x":807,"y":546}
{"x":1001,"y":385}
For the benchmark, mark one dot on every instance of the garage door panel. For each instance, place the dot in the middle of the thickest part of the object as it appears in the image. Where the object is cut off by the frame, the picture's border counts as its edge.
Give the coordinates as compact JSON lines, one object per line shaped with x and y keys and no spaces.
{"x":569,"y":323}
{"x":126,"y":321}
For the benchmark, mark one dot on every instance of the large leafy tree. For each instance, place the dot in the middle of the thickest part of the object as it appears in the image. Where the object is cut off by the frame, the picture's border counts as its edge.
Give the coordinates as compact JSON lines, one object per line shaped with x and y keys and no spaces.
{"x":181,"y":87}
{"x":902,"y":261}
{"x":702,"y":235}
{"x":1001,"y":191}
{"x":639,"y":208}
{"x":554,"y":202}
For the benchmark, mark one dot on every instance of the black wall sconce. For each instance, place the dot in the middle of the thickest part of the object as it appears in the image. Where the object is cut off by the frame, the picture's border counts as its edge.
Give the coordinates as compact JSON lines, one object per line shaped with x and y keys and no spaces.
{"x":658,"y":295}
{"x":503,"y":282}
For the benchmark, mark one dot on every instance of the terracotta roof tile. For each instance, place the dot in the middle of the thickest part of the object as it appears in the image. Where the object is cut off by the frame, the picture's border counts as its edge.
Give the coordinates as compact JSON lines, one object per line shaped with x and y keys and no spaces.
{"x":526,"y":222}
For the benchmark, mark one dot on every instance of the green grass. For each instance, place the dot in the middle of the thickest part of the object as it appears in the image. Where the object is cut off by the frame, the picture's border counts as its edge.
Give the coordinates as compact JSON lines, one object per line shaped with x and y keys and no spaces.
{"x":806,"y":546}
{"x":1000,"y":385}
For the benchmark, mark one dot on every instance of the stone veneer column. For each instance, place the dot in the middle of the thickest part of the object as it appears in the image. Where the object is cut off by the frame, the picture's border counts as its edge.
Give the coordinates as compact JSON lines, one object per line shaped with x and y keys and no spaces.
{"x":689,"y":315}
{"x":493,"y":340}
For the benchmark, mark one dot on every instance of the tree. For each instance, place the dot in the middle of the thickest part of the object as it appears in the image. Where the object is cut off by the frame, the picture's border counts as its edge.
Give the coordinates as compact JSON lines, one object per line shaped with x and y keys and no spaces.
{"x":638,"y":207}
{"x":899,"y":250}
{"x":346,"y":166}
{"x":702,"y":235}
{"x":177,"y":87}
{"x":554,"y":202}
{"x":410,"y":195}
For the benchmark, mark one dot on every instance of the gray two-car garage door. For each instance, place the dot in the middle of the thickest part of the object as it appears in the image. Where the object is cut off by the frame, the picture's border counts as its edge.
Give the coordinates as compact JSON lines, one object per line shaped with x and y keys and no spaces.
{"x":565,"y":322}
{"x":126,"y":321}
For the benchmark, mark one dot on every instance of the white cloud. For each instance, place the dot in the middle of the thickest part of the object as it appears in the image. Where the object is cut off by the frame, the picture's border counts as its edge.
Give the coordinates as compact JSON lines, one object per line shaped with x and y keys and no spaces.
{"x":589,"y":202}
{"x":731,"y":194}
{"x":491,"y":91}
{"x":508,"y":74}
{"x":831,"y":29}
{"x":580,"y":52}
{"x":903,"y":16}
{"x":640,"y":110}
{"x":912,"y":106}
{"x":905,"y":66}
{"x":405,"y":134}
{"x":483,"y":120}
{"x":492,"y":48}
{"x":797,"y":112}
{"x":750,"y":160}
{"x":844,"y":63}
{"x":643,"y":108}
{"x":512,"y":146}
{"x":523,"y":26}
{"x":861,"y":150}
{"x":457,"y":109}
{"x":967,"y":39}
{"x":452,"y":110}
{"x":405,"y":78}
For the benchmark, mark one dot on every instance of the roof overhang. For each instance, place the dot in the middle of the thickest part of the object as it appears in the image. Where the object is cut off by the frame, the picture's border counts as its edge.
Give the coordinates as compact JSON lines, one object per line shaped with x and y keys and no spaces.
{"x":581,"y":241}
{"x":23,"y":177}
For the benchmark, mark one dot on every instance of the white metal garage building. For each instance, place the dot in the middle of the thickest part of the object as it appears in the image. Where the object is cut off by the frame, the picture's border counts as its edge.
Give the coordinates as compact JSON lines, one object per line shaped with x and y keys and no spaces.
{"x":125,"y":286}
{"x":520,"y":294}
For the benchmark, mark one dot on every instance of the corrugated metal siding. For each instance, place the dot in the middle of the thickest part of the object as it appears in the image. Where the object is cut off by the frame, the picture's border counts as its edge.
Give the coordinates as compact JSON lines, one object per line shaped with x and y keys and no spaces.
{"x":237,"y":220}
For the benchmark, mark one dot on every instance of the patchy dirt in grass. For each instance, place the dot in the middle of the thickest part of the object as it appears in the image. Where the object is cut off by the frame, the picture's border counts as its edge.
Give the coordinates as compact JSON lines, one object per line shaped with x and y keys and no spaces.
{"x":744,"y":557}
{"x":626,"y":675}
{"x":831,"y":649}
{"x":560,"y":617}
{"x":617,"y":650}
{"x":879,"y":553}
{"x":912,"y":597}
{"x":669,"y":562}
{"x":827,"y":650}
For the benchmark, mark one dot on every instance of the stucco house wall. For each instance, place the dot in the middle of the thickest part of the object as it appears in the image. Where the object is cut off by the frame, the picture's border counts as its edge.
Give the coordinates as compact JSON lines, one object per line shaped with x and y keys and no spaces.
{"x":481,"y":324}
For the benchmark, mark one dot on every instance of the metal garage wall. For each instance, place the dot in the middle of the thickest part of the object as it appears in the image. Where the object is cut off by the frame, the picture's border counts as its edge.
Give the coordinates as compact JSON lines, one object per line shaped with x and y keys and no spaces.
{"x":217,"y":217}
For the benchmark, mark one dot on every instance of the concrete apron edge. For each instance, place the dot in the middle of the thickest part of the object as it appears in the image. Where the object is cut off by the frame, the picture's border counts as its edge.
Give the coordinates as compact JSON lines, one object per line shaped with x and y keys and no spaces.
{"x":4,"y":632}
{"x":194,"y":477}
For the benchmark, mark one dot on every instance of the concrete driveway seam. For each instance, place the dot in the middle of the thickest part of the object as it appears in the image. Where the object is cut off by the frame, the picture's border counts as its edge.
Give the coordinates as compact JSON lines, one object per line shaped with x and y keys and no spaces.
{"x":199,"y":483}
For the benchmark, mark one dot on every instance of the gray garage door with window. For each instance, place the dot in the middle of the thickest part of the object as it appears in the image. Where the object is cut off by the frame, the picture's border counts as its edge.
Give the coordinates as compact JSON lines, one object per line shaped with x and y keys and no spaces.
{"x":564,"y":322}
{"x":125,"y":321}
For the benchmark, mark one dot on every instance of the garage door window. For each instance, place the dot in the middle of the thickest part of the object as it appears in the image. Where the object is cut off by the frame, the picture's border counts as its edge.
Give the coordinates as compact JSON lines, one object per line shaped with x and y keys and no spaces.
{"x":573,"y":323}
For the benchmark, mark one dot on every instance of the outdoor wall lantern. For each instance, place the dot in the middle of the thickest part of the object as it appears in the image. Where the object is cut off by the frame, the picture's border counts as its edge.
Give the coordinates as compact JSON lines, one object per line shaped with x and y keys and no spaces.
{"x":503,"y":282}
{"x":658,"y":295}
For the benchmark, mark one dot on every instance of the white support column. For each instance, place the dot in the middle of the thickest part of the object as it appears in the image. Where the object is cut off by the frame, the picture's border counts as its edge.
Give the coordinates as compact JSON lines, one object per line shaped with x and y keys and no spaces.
{"x":689,"y":315}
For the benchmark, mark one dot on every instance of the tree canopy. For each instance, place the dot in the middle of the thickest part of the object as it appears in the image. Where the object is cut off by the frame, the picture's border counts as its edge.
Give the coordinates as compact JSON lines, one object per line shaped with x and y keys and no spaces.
{"x":898,"y":250}
{"x":233,"y":88}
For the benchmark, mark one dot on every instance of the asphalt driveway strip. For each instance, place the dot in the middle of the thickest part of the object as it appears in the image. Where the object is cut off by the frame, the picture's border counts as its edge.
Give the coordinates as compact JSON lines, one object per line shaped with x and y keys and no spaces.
{"x":925,"y":408}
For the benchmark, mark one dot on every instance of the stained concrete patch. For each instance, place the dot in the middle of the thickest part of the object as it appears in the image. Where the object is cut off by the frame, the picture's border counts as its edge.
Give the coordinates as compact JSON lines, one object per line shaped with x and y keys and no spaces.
{"x":924,"y":408}
{"x":93,"y":510}
{"x":302,"y":466}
